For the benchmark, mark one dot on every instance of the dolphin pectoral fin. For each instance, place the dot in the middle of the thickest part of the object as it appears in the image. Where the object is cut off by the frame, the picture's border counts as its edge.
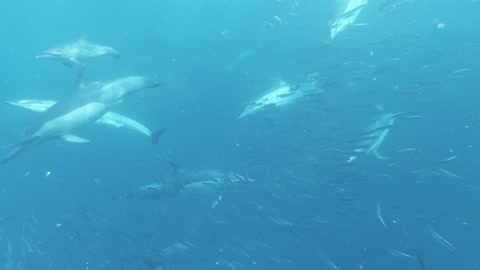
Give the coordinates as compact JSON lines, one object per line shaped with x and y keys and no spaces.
{"x":156,"y":135}
{"x":351,"y":158}
{"x":379,"y":156}
{"x":70,"y":62}
{"x":74,"y":138}
{"x":73,"y":60}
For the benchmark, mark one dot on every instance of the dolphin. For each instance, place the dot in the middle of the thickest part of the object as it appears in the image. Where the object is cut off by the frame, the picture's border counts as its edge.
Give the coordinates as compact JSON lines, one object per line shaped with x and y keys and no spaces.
{"x":282,"y":95}
{"x":348,"y":16}
{"x":190,"y":182}
{"x":109,"y":118}
{"x":69,"y":54}
{"x":376,"y":134}
{"x":85,"y":105}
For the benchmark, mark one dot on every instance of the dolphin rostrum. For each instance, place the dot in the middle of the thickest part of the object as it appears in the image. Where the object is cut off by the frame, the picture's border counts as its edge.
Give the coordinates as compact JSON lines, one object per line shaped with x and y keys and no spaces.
{"x":83,"y":106}
{"x":69,"y":54}
{"x":109,"y":118}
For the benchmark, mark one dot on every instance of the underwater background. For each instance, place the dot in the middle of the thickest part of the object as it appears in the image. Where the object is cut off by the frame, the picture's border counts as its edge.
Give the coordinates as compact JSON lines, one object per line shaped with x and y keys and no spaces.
{"x":64,"y":205}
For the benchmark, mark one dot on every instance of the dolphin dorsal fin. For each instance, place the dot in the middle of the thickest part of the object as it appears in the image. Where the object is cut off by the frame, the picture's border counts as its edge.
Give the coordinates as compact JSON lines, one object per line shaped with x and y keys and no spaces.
{"x":175,"y":167}
{"x":80,"y":80}
{"x":83,"y":38}
{"x":379,"y":156}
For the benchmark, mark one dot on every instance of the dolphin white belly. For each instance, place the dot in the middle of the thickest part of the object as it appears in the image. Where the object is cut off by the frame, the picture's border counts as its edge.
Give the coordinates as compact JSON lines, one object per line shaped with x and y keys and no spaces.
{"x":61,"y":125}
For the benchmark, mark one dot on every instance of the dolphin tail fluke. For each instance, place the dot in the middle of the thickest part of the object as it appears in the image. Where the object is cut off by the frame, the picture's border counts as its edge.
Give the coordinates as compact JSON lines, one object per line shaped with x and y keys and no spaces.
{"x":379,"y":156}
{"x":156,"y":135}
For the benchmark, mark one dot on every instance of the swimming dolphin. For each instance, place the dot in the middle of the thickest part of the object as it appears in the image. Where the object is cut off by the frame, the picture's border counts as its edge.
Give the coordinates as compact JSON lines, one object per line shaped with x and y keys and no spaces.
{"x":69,"y":54}
{"x":109,"y":118}
{"x":375,"y":135}
{"x":191,"y":182}
{"x":347,"y":17}
{"x":283,"y":95}
{"x":83,"y":106}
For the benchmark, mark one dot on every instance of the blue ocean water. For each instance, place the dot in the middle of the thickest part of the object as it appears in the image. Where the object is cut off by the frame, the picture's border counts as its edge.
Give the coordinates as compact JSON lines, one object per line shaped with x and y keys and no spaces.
{"x":300,"y":204}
